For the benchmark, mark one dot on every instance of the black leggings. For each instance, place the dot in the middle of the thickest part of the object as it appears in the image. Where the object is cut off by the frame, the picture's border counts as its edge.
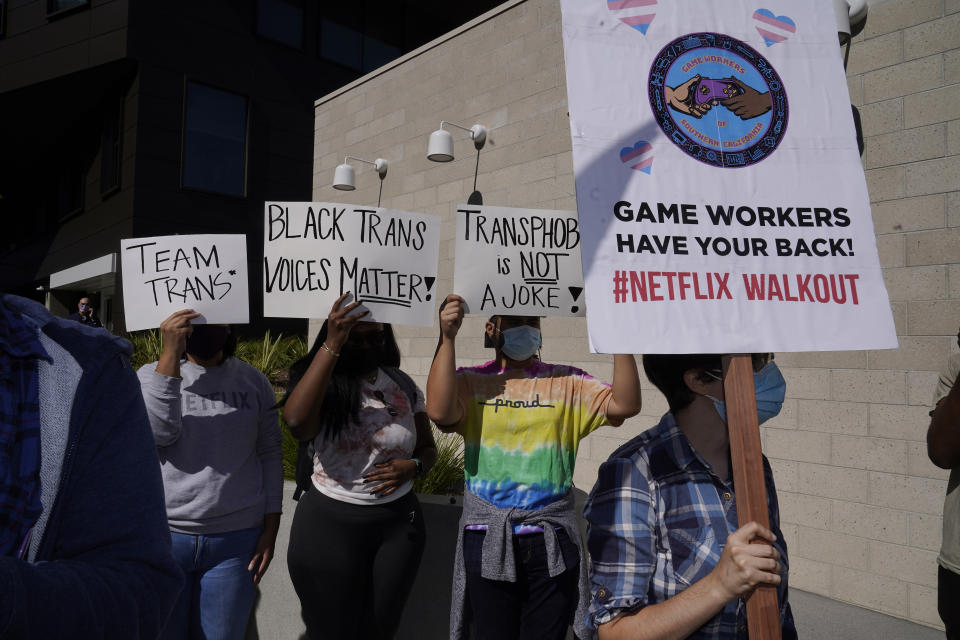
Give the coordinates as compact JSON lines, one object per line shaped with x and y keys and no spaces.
{"x":948,"y":595}
{"x":353,"y":565}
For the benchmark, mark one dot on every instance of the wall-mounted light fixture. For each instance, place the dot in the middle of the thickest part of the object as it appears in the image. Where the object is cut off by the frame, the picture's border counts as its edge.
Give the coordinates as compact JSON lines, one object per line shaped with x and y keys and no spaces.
{"x":440,"y":148}
{"x":343,"y":176}
{"x":851,"y":17}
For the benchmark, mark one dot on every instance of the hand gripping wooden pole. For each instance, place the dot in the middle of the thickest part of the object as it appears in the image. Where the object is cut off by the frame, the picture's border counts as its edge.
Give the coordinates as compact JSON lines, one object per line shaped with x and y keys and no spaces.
{"x":763,"y":615}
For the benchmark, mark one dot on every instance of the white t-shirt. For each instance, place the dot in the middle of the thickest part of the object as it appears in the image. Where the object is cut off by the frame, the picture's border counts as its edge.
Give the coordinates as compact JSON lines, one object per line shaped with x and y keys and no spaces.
{"x":340,"y":464}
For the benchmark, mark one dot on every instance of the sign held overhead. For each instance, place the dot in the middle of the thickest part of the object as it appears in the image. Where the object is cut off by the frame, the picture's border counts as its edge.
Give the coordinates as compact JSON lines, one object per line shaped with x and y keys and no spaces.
{"x":315,"y":251}
{"x":163,"y":274}
{"x":518,"y":261}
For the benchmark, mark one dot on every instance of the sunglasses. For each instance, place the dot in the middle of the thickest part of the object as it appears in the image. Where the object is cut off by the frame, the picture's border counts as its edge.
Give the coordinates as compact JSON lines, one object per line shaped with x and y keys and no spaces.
{"x":392,"y":410}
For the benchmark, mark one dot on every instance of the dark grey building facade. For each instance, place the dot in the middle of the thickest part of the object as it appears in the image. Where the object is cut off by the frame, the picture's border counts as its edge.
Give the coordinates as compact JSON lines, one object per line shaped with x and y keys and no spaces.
{"x":134,"y":118}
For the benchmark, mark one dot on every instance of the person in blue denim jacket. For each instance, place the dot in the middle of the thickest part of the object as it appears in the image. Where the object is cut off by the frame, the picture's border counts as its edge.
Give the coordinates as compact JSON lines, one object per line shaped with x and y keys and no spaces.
{"x":84,"y":548}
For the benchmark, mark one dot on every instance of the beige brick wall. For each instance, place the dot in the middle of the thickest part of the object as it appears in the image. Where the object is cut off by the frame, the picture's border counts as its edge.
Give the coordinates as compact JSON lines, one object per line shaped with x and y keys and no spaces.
{"x":861,"y":504}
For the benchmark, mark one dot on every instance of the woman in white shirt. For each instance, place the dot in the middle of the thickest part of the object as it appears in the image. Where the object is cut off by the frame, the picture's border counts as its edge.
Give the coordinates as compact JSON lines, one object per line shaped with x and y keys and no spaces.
{"x":358,"y":534}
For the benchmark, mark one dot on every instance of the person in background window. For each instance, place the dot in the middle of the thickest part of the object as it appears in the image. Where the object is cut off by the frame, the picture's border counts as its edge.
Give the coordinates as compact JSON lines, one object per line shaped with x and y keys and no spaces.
{"x":84,"y":547}
{"x":85,"y":313}
{"x":669,"y":560}
{"x":358,"y":532}
{"x":519,"y":569}
{"x":943,"y":447}
{"x":214,"y":422}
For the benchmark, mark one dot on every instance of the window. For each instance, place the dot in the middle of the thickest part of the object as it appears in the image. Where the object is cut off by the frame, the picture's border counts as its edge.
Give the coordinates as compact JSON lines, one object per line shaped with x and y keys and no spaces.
{"x":214,"y":140}
{"x":377,"y":53}
{"x":68,"y":196}
{"x":63,"y":6}
{"x":342,"y":44}
{"x":281,"y":21}
{"x":362,"y":35}
{"x":110,"y":147}
{"x":353,"y":49}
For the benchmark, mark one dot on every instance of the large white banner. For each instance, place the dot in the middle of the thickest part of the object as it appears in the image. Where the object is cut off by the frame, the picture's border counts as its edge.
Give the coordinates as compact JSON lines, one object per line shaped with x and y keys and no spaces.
{"x":721,"y":197}
{"x":522,"y":262}
{"x":313,"y":252}
{"x":163,"y":274}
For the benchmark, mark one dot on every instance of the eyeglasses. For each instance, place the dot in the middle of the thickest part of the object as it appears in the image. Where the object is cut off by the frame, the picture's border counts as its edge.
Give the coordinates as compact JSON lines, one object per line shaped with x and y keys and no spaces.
{"x":758,"y":360}
{"x":392,"y":410}
{"x":372,"y":339}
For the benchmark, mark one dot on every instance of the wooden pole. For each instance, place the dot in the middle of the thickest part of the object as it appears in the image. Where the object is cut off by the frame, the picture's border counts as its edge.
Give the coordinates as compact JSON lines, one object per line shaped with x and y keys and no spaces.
{"x":763,"y":612}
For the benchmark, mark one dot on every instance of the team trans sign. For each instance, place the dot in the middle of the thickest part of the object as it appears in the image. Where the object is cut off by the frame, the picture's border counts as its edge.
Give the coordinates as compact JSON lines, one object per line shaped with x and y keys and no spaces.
{"x":164,"y":274}
{"x":721,"y":199}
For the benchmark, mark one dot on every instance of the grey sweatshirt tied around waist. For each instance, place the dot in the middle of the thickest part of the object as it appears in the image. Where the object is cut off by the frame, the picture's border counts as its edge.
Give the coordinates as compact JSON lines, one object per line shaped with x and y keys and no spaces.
{"x":498,"y":562}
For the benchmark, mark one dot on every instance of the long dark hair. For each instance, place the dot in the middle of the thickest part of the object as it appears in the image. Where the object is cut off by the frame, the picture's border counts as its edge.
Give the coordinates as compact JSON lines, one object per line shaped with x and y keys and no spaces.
{"x":341,"y":403}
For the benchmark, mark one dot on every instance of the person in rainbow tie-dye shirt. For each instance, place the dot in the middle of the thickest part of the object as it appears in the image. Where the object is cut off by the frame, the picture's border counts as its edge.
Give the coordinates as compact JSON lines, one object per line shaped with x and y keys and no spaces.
{"x":518,"y":565}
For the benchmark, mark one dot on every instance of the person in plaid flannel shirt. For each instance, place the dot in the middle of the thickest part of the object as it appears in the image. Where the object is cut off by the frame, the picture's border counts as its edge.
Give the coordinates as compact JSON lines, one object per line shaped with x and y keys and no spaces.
{"x":668,"y":557}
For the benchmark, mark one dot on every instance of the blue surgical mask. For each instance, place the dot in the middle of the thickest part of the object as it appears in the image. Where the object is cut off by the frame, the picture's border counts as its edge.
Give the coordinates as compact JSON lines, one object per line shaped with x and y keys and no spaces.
{"x":770,"y":389}
{"x":520,"y":343}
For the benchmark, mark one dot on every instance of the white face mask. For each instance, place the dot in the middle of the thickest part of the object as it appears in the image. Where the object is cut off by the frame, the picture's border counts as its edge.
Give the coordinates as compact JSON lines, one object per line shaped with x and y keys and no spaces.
{"x":520,"y":343}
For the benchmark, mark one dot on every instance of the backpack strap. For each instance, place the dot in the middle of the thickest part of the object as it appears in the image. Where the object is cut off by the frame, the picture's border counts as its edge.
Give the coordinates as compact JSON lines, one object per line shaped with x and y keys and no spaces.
{"x":405,"y":383}
{"x":303,"y":468}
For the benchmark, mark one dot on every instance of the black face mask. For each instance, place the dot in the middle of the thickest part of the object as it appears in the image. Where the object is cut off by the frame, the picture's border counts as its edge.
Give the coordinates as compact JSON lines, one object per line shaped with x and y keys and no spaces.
{"x":357,"y":360}
{"x":207,"y":340}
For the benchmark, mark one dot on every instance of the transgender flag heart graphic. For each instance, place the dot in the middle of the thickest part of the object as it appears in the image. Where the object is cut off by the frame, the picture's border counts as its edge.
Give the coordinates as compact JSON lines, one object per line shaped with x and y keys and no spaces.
{"x":639,"y":157}
{"x":636,"y":13}
{"x":773,"y":28}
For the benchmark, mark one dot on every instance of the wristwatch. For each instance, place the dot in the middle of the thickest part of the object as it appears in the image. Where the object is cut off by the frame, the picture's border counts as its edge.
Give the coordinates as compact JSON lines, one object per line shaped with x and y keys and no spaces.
{"x":419,"y":464}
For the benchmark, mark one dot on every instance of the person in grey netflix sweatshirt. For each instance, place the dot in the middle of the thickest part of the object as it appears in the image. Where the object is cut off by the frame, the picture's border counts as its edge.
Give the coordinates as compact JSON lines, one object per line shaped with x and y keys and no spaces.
{"x":215,"y":425}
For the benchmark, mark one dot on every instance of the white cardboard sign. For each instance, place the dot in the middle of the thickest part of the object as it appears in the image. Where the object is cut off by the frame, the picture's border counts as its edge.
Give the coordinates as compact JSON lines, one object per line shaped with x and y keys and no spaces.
{"x":163,"y":274}
{"x":314,"y":252}
{"x":721,"y":196}
{"x":518,"y":261}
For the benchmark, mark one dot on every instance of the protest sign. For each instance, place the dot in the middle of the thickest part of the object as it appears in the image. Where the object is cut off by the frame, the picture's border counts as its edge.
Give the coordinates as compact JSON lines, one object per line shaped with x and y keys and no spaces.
{"x":721,"y":197}
{"x":518,"y":261}
{"x":163,"y":274}
{"x":315,"y":251}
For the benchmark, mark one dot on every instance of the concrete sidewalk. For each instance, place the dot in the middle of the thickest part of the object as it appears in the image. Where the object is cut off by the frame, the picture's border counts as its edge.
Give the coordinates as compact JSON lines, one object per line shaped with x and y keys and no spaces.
{"x":820,"y":618}
{"x":277,"y":613}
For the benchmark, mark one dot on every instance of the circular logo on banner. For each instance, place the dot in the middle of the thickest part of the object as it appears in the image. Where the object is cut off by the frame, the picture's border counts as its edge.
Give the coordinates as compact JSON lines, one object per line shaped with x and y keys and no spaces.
{"x":718,"y":99}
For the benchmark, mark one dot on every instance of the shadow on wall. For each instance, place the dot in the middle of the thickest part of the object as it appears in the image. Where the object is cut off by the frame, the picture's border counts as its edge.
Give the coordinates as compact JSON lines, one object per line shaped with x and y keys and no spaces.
{"x":596,"y":206}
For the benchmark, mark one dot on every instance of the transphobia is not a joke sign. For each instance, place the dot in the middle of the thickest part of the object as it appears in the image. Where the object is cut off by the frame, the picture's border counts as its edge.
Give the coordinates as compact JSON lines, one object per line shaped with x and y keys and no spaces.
{"x":518,"y":261}
{"x":163,"y":274}
{"x":313,"y":252}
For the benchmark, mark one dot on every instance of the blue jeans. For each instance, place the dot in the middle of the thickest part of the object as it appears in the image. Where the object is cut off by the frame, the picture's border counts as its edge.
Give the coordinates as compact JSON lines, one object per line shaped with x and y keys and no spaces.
{"x":218,"y":591}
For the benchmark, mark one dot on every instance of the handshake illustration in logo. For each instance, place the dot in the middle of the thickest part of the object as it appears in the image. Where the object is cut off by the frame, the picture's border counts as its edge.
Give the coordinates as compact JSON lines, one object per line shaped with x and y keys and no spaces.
{"x":698,"y":95}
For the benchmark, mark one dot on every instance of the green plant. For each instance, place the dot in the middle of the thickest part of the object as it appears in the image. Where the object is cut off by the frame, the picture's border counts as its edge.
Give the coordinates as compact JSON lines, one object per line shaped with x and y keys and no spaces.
{"x":261,"y":354}
{"x":446,"y":475}
{"x":288,"y":445}
{"x":272,"y":356}
{"x":147,"y":346}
